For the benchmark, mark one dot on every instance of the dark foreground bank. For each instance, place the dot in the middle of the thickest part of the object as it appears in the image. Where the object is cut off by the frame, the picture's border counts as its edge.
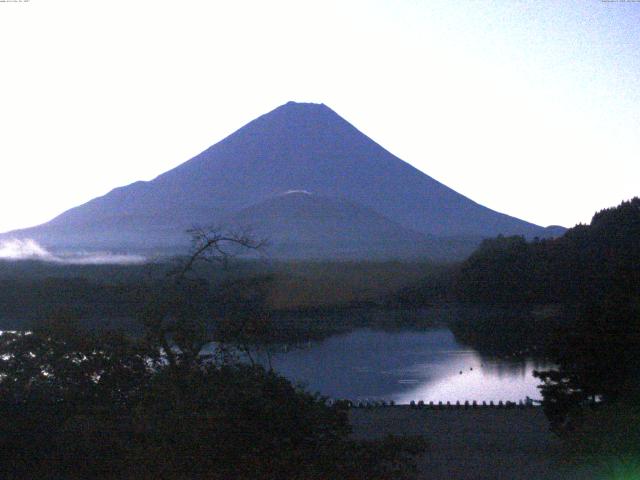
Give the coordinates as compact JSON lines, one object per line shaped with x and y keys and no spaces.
{"x":479,"y":444}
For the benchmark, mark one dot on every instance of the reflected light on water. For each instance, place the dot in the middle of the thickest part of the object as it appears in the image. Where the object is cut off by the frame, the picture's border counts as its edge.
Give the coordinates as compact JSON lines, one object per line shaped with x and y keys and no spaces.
{"x":367,"y":365}
{"x":480,"y":384}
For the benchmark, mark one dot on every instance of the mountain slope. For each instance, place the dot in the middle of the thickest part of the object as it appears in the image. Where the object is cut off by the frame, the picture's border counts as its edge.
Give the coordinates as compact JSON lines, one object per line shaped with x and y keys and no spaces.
{"x":299,"y":224}
{"x":294,"y":147}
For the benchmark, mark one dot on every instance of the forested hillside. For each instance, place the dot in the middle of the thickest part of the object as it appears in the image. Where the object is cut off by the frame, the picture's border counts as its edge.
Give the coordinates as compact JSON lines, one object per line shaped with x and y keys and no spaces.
{"x":588,"y":263}
{"x":593,"y":274}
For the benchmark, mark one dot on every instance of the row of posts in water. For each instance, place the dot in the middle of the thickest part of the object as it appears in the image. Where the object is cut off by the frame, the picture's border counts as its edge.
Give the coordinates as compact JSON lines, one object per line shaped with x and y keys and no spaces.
{"x":528,"y":403}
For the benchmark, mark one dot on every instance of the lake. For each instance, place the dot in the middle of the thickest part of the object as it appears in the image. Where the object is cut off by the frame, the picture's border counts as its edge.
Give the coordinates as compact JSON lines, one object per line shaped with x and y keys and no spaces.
{"x":373,"y":365}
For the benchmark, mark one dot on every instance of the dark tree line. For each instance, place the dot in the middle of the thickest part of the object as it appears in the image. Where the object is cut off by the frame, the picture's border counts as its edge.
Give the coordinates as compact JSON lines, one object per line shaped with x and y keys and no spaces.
{"x":586,"y":263}
{"x":593,"y":271}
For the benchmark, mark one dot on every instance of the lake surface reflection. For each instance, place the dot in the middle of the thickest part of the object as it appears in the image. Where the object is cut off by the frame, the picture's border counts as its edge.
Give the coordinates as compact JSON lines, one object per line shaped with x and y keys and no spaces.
{"x":405,"y":365}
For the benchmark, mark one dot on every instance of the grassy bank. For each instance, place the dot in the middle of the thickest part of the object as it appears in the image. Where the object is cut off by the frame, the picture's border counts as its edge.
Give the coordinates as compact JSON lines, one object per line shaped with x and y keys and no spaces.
{"x":31,"y":290}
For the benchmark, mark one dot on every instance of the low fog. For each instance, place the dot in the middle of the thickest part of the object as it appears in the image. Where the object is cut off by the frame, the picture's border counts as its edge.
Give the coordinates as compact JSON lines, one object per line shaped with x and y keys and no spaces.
{"x":29,"y":249}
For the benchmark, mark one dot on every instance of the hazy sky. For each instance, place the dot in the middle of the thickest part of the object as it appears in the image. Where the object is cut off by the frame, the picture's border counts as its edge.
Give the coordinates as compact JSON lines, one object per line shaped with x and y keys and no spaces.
{"x":530,"y":108}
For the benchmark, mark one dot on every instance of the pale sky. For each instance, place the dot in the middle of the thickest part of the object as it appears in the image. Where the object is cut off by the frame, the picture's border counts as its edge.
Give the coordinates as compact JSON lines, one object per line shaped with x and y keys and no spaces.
{"x":529,"y":108}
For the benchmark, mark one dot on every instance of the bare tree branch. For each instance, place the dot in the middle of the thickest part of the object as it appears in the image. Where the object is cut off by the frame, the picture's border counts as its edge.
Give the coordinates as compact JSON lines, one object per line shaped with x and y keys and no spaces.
{"x":209,"y":245}
{"x":170,"y":324}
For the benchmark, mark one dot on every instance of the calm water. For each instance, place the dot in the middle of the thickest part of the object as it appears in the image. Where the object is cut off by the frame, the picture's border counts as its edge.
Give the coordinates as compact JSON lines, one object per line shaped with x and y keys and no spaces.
{"x":405,"y":365}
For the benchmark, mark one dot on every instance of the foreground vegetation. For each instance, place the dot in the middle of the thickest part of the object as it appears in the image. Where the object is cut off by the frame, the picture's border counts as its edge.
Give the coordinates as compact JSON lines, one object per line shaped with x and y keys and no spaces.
{"x":78,"y":403}
{"x":75,"y":405}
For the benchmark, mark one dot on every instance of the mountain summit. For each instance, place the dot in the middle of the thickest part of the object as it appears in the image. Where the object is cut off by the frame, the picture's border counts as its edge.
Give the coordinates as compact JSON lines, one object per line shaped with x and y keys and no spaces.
{"x":296,"y":147}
